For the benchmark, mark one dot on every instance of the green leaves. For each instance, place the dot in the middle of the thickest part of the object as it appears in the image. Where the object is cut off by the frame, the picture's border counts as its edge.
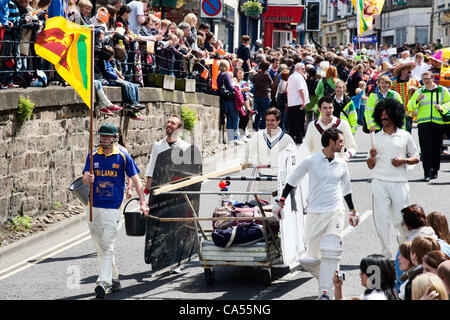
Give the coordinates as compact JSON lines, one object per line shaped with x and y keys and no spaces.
{"x":20,"y":223}
{"x":24,"y":109}
{"x":190,"y":117}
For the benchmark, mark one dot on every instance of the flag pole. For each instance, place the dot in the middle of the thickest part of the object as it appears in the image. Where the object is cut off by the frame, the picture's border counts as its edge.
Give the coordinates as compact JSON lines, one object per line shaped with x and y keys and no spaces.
{"x":91,"y":124}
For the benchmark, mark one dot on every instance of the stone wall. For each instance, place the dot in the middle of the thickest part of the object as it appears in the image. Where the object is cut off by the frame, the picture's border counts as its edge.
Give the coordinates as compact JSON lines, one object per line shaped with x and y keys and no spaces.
{"x":40,"y":158}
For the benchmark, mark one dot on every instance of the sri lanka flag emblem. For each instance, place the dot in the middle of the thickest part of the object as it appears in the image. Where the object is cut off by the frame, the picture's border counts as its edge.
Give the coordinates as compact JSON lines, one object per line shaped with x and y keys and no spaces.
{"x":67,"y":45}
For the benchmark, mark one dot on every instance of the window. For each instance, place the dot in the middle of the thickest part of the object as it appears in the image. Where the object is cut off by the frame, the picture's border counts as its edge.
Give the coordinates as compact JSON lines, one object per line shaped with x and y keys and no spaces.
{"x":422,"y":35}
{"x":400,"y":36}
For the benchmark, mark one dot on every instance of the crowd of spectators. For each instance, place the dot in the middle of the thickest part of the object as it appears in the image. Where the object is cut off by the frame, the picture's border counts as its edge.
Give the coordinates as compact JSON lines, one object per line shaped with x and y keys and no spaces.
{"x":421,"y":270}
{"x":143,"y":43}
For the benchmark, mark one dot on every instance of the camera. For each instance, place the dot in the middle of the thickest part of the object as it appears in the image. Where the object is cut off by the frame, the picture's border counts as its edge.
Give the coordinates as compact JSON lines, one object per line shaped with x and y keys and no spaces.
{"x":341,"y":276}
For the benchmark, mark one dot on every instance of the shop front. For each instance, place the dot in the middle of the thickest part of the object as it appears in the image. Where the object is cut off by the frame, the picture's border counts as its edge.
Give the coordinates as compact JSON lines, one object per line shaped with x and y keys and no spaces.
{"x":280,"y":25}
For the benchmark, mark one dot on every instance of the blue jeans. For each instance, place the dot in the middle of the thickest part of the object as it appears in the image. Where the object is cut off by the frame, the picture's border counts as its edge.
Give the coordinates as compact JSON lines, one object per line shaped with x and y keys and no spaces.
{"x":361,"y":110}
{"x":232,"y":119}
{"x":130,"y":91}
{"x":261,"y":106}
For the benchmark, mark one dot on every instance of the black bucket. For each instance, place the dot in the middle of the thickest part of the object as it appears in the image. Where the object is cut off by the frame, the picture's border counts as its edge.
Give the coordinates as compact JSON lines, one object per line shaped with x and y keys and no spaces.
{"x":81,"y":190}
{"x":134,"y":221}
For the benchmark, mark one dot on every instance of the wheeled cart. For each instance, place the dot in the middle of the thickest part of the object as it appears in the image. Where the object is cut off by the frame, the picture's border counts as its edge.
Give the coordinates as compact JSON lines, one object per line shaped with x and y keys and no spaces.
{"x":260,"y":255}
{"x":281,"y":248}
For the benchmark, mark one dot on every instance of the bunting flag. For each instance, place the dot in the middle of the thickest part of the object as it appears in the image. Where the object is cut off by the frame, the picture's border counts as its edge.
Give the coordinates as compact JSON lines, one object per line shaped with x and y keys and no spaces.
{"x":205,"y":73}
{"x":334,"y":3}
{"x":67,"y":45}
{"x":365,"y":10}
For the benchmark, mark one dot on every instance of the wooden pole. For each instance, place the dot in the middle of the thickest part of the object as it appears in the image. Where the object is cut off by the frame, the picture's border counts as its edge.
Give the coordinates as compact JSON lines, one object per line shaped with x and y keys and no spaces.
{"x":210,"y":218}
{"x":91,"y":125}
{"x":195,"y":214}
{"x":196,"y":179}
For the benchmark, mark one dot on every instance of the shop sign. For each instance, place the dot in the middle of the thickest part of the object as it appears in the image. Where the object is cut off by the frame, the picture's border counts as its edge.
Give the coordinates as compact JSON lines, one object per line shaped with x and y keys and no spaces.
{"x":278,"y":14}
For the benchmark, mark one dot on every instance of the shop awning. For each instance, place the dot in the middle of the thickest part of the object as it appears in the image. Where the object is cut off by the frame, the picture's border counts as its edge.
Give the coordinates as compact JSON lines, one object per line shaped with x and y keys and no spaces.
{"x":279,"y":14}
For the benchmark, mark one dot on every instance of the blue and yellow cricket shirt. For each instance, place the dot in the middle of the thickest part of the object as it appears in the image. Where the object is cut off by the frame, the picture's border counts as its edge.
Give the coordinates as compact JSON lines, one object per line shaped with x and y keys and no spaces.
{"x":110,"y":171}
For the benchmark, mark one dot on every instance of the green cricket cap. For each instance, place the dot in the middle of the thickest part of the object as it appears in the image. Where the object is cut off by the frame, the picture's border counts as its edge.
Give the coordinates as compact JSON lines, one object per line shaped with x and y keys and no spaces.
{"x":108,"y":129}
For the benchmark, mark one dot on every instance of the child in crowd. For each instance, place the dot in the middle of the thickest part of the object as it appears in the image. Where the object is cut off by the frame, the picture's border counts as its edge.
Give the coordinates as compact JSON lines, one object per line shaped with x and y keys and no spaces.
{"x":130,"y":91}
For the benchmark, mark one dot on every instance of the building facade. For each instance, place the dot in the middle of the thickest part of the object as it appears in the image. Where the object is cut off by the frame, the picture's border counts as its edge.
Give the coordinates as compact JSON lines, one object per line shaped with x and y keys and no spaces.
{"x":334,"y":28}
{"x":440,"y":22}
{"x":405,"y":21}
{"x":280,"y":22}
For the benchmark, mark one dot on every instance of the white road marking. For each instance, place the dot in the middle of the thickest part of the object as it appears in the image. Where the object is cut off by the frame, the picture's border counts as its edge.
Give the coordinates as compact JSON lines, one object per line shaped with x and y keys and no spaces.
{"x":23,"y":265}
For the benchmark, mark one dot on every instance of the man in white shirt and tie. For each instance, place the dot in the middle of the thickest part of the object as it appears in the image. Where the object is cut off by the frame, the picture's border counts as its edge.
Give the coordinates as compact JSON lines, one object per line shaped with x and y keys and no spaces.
{"x":393,"y":148}
{"x":264,"y":148}
{"x":316,"y":128}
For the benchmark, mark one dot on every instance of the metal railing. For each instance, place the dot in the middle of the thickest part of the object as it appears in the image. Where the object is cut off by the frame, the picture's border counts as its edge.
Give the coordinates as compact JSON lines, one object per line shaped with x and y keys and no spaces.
{"x":22,"y":69}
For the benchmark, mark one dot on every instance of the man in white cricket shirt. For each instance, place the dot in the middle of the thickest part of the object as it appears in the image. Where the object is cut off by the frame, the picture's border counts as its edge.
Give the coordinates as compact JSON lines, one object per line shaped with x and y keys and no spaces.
{"x":329,"y":184}
{"x":264,"y":148}
{"x":393,"y":148}
{"x":316,"y":128}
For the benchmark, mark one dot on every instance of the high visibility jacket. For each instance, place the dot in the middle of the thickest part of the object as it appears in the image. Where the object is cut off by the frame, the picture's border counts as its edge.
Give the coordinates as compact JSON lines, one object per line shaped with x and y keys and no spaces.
{"x":374,"y":97}
{"x":426,"y":108}
{"x":348,"y":112}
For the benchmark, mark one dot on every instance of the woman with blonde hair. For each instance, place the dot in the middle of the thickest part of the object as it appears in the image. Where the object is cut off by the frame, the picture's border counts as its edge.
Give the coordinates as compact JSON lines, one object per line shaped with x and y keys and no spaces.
{"x":420,"y":246}
{"x":344,"y":108}
{"x":438,"y":221}
{"x":192,"y":20}
{"x":428,"y":286}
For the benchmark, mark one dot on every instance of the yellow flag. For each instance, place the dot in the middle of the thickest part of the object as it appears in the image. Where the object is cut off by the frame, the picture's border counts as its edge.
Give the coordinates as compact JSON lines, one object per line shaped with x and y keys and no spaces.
{"x":67,"y":45}
{"x":365,"y":10}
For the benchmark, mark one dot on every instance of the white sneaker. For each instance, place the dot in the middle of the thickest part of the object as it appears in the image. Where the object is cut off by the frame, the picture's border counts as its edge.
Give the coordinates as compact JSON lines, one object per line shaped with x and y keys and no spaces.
{"x":238,"y":142}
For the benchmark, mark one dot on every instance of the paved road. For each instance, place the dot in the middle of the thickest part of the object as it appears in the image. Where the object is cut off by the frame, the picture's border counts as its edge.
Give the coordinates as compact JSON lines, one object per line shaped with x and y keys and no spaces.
{"x":64,"y":267}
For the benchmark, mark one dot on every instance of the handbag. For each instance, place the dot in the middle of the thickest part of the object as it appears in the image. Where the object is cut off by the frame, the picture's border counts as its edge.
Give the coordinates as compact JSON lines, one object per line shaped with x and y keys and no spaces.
{"x":445,"y":116}
{"x":225,"y":93}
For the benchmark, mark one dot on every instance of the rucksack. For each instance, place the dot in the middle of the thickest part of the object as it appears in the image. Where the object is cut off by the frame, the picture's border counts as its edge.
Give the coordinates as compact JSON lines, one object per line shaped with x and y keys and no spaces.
{"x":327,"y":89}
{"x":240,"y":234}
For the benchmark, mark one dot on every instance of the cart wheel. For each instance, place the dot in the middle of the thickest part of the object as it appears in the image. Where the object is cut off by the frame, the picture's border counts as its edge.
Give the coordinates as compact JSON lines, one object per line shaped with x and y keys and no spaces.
{"x":267,"y":277}
{"x":209,"y":276}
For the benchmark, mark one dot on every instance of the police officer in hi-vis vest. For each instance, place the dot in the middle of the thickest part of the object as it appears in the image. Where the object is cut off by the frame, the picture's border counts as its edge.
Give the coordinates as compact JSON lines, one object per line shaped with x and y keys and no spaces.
{"x":430,"y":102}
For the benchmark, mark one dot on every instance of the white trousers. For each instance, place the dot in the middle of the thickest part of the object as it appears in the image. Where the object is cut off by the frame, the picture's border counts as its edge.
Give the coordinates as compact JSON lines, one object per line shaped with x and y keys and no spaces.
{"x":318,"y":225}
{"x":389,"y":198}
{"x":265,"y":186}
{"x":104,"y":229}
